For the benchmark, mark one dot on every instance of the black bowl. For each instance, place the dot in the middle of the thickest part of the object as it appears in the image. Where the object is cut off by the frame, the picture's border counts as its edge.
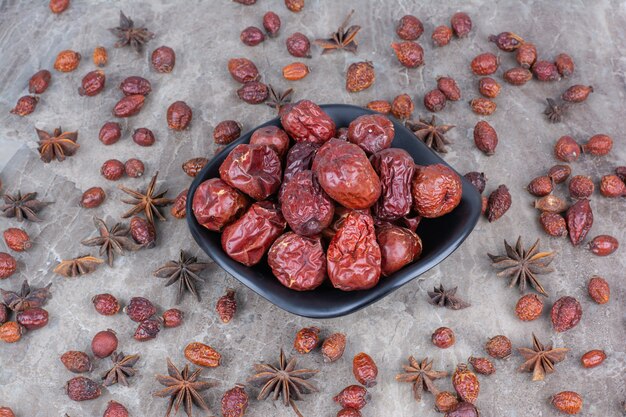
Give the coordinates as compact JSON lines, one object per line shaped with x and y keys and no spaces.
{"x":440,"y":236}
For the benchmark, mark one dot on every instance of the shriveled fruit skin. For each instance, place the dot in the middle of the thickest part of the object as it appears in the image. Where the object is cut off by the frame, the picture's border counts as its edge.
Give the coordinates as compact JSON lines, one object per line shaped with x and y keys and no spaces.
{"x":410,"y":54}
{"x":402,"y":106}
{"x":526,"y":55}
{"x":333,"y":347}
{"x":577,"y":93}
{"x":435,"y":101}
{"x":395,"y":168}
{"x":305,"y":121}
{"x":529,"y":307}
{"x":445,"y":401}
{"x":436,"y":190}
{"x":172,"y":318}
{"x":298,"y":262}
{"x":409,"y":28}
{"x":611,"y":186}
{"x":17,"y":239}
{"x":517,"y":76}
{"x":252,"y":169}
{"x":568,"y":402}
{"x":140,"y":309}
{"x":76,"y":362}
{"x":485,"y":64}
{"x":354,"y":396}
{"x":463,"y":409}
{"x":540,"y":186}
{"x":235,"y":402}
{"x":349,"y":412}
{"x":106,"y":304}
{"x":466,"y":383}
{"x":581,"y":186}
{"x":360,"y":76}
{"x":499,"y":347}
{"x":399,"y":247}
{"x":485,"y":137}
{"x":566,"y":313}
{"x":598,"y":145}
{"x":226,"y":306}
{"x":461,"y":24}
{"x":371,"y":132}
{"x":11,"y":332}
{"x":81,"y":388}
{"x":443,"y":337}
{"x":545,"y":71}
{"x":593,"y":358}
{"x":104,"y":343}
{"x":489,"y":87}
{"x":306,"y":339}
{"x":441,"y":35}
{"x":6,"y":412}
{"x":449,"y":88}
{"x":115,"y":409}
{"x":559,"y":173}
{"x":566,"y":149}
{"x":499,"y":203}
{"x":579,"y":218}
{"x":603,"y":245}
{"x":32,"y":318}
{"x":482,"y":366}
{"x":147,"y":330}
{"x":564,"y":65}
{"x":483,"y":106}
{"x":599,"y":290}
{"x":202,"y":355}
{"x":364,"y":369}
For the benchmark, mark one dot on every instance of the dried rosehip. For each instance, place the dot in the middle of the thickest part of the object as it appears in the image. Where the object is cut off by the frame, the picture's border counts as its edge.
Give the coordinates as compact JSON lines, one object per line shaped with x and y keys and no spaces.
{"x":178,"y":209}
{"x":599,"y":290}
{"x":435,"y":101}
{"x":485,"y":64}
{"x":559,"y":173}
{"x":577,"y":93}
{"x":134,"y":168}
{"x":465,"y":383}
{"x":76,"y":362}
{"x":526,"y":55}
{"x":100,"y":56}
{"x":551,"y":204}
{"x":529,"y":307}
{"x":581,"y":187}
{"x":553,"y":224}
{"x":112,"y":169}
{"x":395,"y":169}
{"x":67,"y":61}
{"x":545,"y":71}
{"x":399,"y":247}
{"x":517,"y":76}
{"x":25,"y":105}
{"x":226,"y":132}
{"x":298,"y":45}
{"x":380,"y":106}
{"x":449,"y":88}
{"x":579,"y":218}
{"x":253,"y":92}
{"x":478,"y":180}
{"x":172,"y":318}
{"x":305,"y":121}
{"x":81,"y":388}
{"x":140,"y":309}
{"x":566,"y":313}
{"x":567,"y":402}
{"x":566,"y":149}
{"x":252,"y":36}
{"x":235,"y":402}
{"x":11,"y":332}
{"x":485,"y":137}
{"x":193,"y":166}
{"x":39,"y":82}
{"x":306,"y":340}
{"x":179,"y":115}
{"x":409,"y":28}
{"x":147,"y":330}
{"x":298,"y":262}
{"x":372,"y":132}
{"x":144,"y":137}
{"x":92,"y":198}
{"x":409,"y":54}
{"x":603,"y":245}
{"x":202,"y":355}
{"x":135,"y":85}
{"x":499,"y":203}
{"x":110,"y":132}
{"x":360,"y":76}
{"x":306,"y":207}
{"x":226,"y":306}
{"x":163,"y":59}
{"x":4,"y":313}
{"x":436,"y":190}
{"x":364,"y":369}
{"x":507,"y":41}
{"x":461,"y":24}
{"x":333,"y":347}
{"x":92,"y":83}
{"x":489,"y":87}
{"x":115,"y":409}
{"x":294,"y":5}
{"x":345,"y":173}
{"x":245,"y":2}
{"x":58,"y":6}
{"x":142,"y":232}
{"x":598,"y":145}
{"x":483,"y":106}
{"x":499,"y":347}
{"x":271,"y":24}
{"x":17,"y":239}
{"x":8,"y":265}
{"x":482,"y":366}
{"x":443,"y":337}
{"x":564,"y":64}
{"x":593,"y":358}
{"x":272,"y":136}
{"x":243,"y":70}
{"x":106,"y":304}
{"x":295,"y":71}
{"x":540,"y":186}
{"x":621,"y":172}
{"x":354,"y":397}
{"x":612,"y":186}
{"x":252,"y":169}
{"x":345,"y":412}
{"x":104,"y":343}
{"x":441,"y":35}
{"x":216,"y":204}
{"x":463,"y":409}
{"x":32,"y":318}
{"x":129,"y":106}
{"x":402,"y":107}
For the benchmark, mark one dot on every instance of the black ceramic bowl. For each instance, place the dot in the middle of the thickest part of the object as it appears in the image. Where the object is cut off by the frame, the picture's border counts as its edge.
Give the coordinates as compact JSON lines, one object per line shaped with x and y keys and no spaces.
{"x":440,"y":236}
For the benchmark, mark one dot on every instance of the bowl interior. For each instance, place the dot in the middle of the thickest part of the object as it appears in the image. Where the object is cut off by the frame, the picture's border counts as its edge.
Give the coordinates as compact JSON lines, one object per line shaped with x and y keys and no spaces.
{"x":440,"y":236}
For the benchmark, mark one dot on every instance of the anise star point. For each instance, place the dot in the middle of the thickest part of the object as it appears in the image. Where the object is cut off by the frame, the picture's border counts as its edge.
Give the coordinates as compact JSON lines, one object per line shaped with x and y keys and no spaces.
{"x":421,"y":375}
{"x":147,"y":202}
{"x":22,"y":206}
{"x":342,"y":38}
{"x":122,"y":369}
{"x":113,"y":241}
{"x":27,"y":297}
{"x":57,"y":145}
{"x":184,"y":271}
{"x":541,"y":358}
{"x":431,"y":133}
{"x":278,"y":99}
{"x":128,"y":34}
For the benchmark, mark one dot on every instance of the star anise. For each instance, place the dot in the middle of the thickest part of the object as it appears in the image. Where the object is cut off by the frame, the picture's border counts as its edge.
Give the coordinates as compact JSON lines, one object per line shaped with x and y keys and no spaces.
{"x":421,"y":375}
{"x":111,"y":241}
{"x":555,"y":111}
{"x":429,"y":132}
{"x":184,"y":271}
{"x":127,"y":34}
{"x":22,"y":207}
{"x":341,"y":39}
{"x":183,"y":388}
{"x":278,"y":99}
{"x":446,"y":298}
{"x":78,"y":266}
{"x":147,"y":201}
{"x":541,"y":358}
{"x":283,"y":380}
{"x":57,"y":145}
{"x":27,"y":297}
{"x":523,"y":266}
{"x":123,"y":368}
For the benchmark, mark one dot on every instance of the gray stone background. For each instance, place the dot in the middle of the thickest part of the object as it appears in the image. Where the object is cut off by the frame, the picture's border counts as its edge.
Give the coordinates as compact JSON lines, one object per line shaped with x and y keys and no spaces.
{"x":205,"y":34}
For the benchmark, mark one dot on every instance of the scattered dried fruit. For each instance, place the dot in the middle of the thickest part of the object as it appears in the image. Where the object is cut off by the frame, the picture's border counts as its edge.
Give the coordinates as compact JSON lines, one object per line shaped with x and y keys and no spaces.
{"x":499,"y":203}
{"x":409,"y":54}
{"x":360,"y":76}
{"x":441,"y":35}
{"x":92,"y":84}
{"x":298,"y":45}
{"x":529,"y":307}
{"x":295,"y":71}
{"x":499,"y":347}
{"x":461,"y":24}
{"x":134,"y":168}
{"x":599,"y":290}
{"x":465,"y":383}
{"x":81,"y":388}
{"x":507,"y":41}
{"x":567,"y":402}
{"x":100,"y":56}
{"x":147,"y":330}
{"x":566,"y":313}
{"x":577,"y":93}
{"x":110,"y":132}
{"x":163,"y":59}
{"x":104,"y":343}
{"x":485,"y":64}
{"x":517,"y":76}
{"x":333,"y":347}
{"x":483,"y":106}
{"x":17,"y":239}
{"x":106,"y":304}
{"x":489,"y":87}
{"x":25,"y":105}
{"x":485,"y":137}
{"x":226,"y":306}
{"x":526,"y":55}
{"x":179,"y":115}
{"x":354,"y":396}
{"x":579,"y":218}
{"x":545,"y":71}
{"x":143,"y":137}
{"x":76,"y":362}
{"x":402,"y":107}
{"x":140,"y":309}
{"x":364,"y":369}
{"x":553,"y":224}
{"x":39,"y":82}
{"x":443,"y":337}
{"x":172,"y":318}
{"x":598,"y":145}
{"x":11,"y":332}
{"x":564,"y":64}
{"x":67,"y":61}
{"x":112,"y":169}
{"x":235,"y":402}
{"x":434,"y":101}
{"x":482,"y":366}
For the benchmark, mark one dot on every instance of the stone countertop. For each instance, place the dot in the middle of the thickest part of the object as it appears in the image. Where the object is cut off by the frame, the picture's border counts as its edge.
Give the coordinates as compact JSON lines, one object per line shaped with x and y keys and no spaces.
{"x":204,"y":37}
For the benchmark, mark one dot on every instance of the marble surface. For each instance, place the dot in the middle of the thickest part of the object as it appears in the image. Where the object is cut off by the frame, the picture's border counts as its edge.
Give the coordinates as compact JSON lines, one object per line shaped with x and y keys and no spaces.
{"x":205,"y":34}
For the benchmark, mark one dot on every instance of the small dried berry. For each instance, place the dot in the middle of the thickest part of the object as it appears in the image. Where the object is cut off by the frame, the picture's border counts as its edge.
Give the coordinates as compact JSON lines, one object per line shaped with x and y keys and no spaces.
{"x":449,"y":88}
{"x":226,"y":306}
{"x":540,"y":186}
{"x":243,"y":70}
{"x":434,"y":101}
{"x":485,"y":64}
{"x":545,"y":71}
{"x":445,"y":401}
{"x":134,"y":168}
{"x":294,"y":5}
{"x":599,"y":290}
{"x":564,"y":64}
{"x":252,"y":36}
{"x":100,"y":56}
{"x":76,"y":362}
{"x":593,"y":358}
{"x":499,"y":203}
{"x":140,"y":309}
{"x":443,"y":337}
{"x":551,"y":204}
{"x":580,"y":187}
{"x":179,"y":207}
{"x":441,"y":35}
{"x":253,"y":92}
{"x":517,"y":76}
{"x":409,"y":28}
{"x":402,"y":107}
{"x":298,"y":45}
{"x":559,"y":173}
{"x":566,"y":149}
{"x":142,"y":232}
{"x":577,"y":93}
{"x":553,"y":224}
{"x":11,"y":332}
{"x":147,"y":330}
{"x":463,"y":409}
{"x":172,"y":318}
{"x":25,"y":105}
{"x":364,"y":369}
{"x":179,"y":115}
{"x":104,"y":343}
{"x":603,"y":245}
{"x":333,"y":347}
{"x":484,"y":204}
{"x":489,"y":87}
{"x":409,"y":54}
{"x":4,"y":313}
{"x":226,"y":132}
{"x":566,"y":313}
{"x":32,"y":318}
{"x":478,"y":180}
{"x":163,"y":59}
{"x":67,"y":61}
{"x":129,"y":106}
{"x":482,"y":366}
{"x":360,"y":76}
{"x":92,"y":83}
{"x":621,"y":172}
{"x":526,"y":55}
{"x":295,"y":71}
{"x":135,"y":85}
{"x":110,"y":132}
{"x":567,"y":402}
{"x":465,"y":383}
{"x":499,"y":347}
{"x":143,"y":137}
{"x":8,"y":265}
{"x":380,"y":106}
{"x":17,"y":239}
{"x":354,"y":396}
{"x":58,"y":6}
{"x":598,"y":145}
{"x":271,"y":24}
{"x":202,"y":355}
{"x":461,"y":24}
{"x":112,"y":169}
{"x":306,"y":339}
{"x":612,"y":186}
{"x":81,"y":388}
{"x":235,"y":402}
{"x":529,"y":307}
{"x":39,"y":82}
{"x":106,"y":304}
{"x":483,"y":106}
{"x":579,"y":218}
{"x":115,"y":409}
{"x":349,"y":412}
{"x":507,"y":41}
{"x":192,"y":167}
{"x":92,"y":197}
{"x":485,"y":137}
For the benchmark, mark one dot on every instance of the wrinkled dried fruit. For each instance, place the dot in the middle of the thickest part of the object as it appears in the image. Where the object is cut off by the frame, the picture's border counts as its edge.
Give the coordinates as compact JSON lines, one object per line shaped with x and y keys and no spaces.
{"x":17,"y":239}
{"x":478,"y":180}
{"x":295,"y":71}
{"x":57,"y":6}
{"x":579,"y":219}
{"x":252,"y":36}
{"x":465,"y":383}
{"x":272,"y":136}
{"x":599,"y":290}
{"x":499,"y":203}
{"x":115,"y":409}
{"x":172,"y":318}
{"x":32,"y":318}
{"x":226,"y":306}
{"x":402,"y":107}
{"x":271,"y":24}
{"x":364,"y":369}
{"x":144,"y":137}
{"x":76,"y":362}
{"x":380,"y":106}
{"x":529,"y":307}
{"x":567,"y":402}
{"x":612,"y":186}
{"x":545,"y":71}
{"x":112,"y":169}
{"x":347,"y":412}
{"x":163,"y":59}
{"x":100,"y":56}
{"x":499,"y":347}
{"x":110,"y":132}
{"x":147,"y":330}
{"x":436,"y":190}
{"x":305,"y":121}
{"x":298,"y":262}
{"x":333,"y":347}
{"x":243,"y":70}
{"x":489,"y":87}
{"x":11,"y":332}
{"x":483,"y":106}
{"x":253,"y":92}
{"x":559,"y":173}
{"x":179,"y":115}
{"x":443,"y":337}
{"x":252,"y":169}
{"x":360,"y":76}
{"x":566,"y":313}
{"x":294,"y":5}
{"x":235,"y":402}
{"x":140,"y":309}
{"x":202,"y":355}
{"x":564,"y":64}
{"x":39,"y":82}
{"x":306,"y":340}
{"x":461,"y":24}
{"x":179,"y":207}
{"x":193,"y":166}
{"x":106,"y":304}
{"x":540,"y":186}
{"x":217,"y":204}
{"x":598,"y":145}
{"x":353,"y":396}
{"x":517,"y":76}
{"x":434,"y":101}
{"x":441,"y":35}
{"x":577,"y":93}
{"x":306,"y":207}
{"x":507,"y":41}
{"x":399,"y":247}
{"x":449,"y":88}
{"x":526,"y":55}
{"x":104,"y":343}
{"x":226,"y":132}
{"x":485,"y":64}
{"x":409,"y":54}
{"x":25,"y":105}
{"x":4,"y":313}
{"x":8,"y":265}
{"x":395,"y":169}
{"x":129,"y":106}
{"x":135,"y":85}
{"x":371,"y":132}
{"x":593,"y":358}
{"x":134,"y":168}
{"x":67,"y":61}
{"x":580,"y":187}
{"x":551,"y":204}
{"x":485,"y":137}
{"x":553,"y":224}
{"x":603,"y":245}
{"x":566,"y":149}
{"x":298,"y":45}
{"x":482,"y":366}
{"x":81,"y":388}
{"x":92,"y":83}
{"x":463,"y":409}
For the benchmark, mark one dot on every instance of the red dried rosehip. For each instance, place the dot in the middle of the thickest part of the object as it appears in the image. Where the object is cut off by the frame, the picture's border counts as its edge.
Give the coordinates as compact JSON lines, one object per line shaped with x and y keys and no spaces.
{"x":193,"y":166}
{"x":32,"y":318}
{"x":112,"y":169}
{"x":461,"y":24}
{"x":142,"y":232}
{"x":76,"y":362}
{"x":333,"y":347}
{"x":364,"y":369}
{"x":466,"y":383}
{"x":436,"y":190}
{"x":409,"y":54}
{"x":402,"y":107}
{"x":178,"y":209}
{"x":179,"y":115}
{"x":526,"y":55}
{"x":564,"y":64}
{"x":435,"y":101}
{"x":621,"y":172}
{"x":134,"y":168}
{"x":106,"y":304}
{"x":489,"y":87}
{"x":443,"y":337}
{"x":226,"y":132}
{"x":25,"y":105}
{"x":243,"y":70}
{"x":252,"y":36}
{"x":100,"y":56}
{"x":566,"y":149}
{"x":603,"y":245}
{"x":67,"y":61}
{"x":507,"y":41}
{"x":449,"y":88}
{"x":579,"y":218}
{"x":115,"y":409}
{"x":598,"y":145}
{"x":294,"y":5}
{"x":529,"y":307}
{"x":11,"y":332}
{"x":140,"y":309}
{"x":499,"y":347}
{"x":39,"y":82}
{"x":517,"y":76}
{"x":306,"y":340}
{"x":593,"y":358}
{"x":485,"y":137}
{"x":344,"y":412}
{"x":577,"y":93}
{"x":485,"y":64}
{"x":567,"y":402}
{"x":445,"y":401}
{"x":441,"y":35}
{"x":253,"y":92}
{"x":147,"y":330}
{"x":360,"y":76}
{"x":110,"y":132}
{"x":104,"y":343}
{"x":482,"y":366}
{"x":172,"y":318}
{"x":163,"y":59}
{"x":540,"y":186}
{"x":144,"y":137}
{"x":8,"y":265}
{"x":4,"y":313}
{"x":551,"y":204}
{"x":92,"y":83}
{"x":612,"y":186}
{"x":380,"y":106}
{"x":478,"y":180}
{"x":298,"y":45}
{"x":599,"y":290}
{"x":226,"y":306}
{"x":17,"y":239}
{"x":581,"y":187}
{"x":57,"y":6}
{"x":235,"y":402}
{"x":545,"y":71}
{"x":559,"y":173}
{"x":566,"y":313}
{"x":483,"y":106}
{"x":135,"y":85}
{"x":409,"y":28}
{"x":354,"y":397}
{"x":129,"y":105}
{"x":81,"y":388}
{"x":271,"y":24}
{"x":553,"y":224}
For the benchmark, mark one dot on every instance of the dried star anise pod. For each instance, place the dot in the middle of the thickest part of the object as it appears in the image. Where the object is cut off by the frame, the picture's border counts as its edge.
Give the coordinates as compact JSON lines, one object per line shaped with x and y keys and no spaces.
{"x":183,"y":388}
{"x":283,"y":380}
{"x":27,"y":297}
{"x":57,"y":145}
{"x":123,"y":368}
{"x":429,"y":132}
{"x":184,"y":271}
{"x":555,"y":111}
{"x":127,"y":34}
{"x":278,"y":99}
{"x":341,"y":39}
{"x":446,"y":298}
{"x":78,"y":266}
{"x":523,"y":265}
{"x":541,"y":358}
{"x":421,"y":375}
{"x":147,"y":201}
{"x":111,"y":241}
{"x":22,"y":207}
